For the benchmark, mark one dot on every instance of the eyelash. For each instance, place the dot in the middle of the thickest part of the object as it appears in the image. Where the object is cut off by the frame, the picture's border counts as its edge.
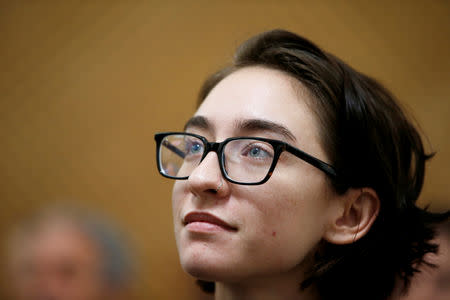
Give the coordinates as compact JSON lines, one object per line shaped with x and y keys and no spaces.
{"x":261,"y":146}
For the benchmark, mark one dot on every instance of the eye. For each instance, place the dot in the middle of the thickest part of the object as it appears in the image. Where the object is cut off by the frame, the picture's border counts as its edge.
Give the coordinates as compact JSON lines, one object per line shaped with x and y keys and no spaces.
{"x":257,"y":151}
{"x":193,"y":147}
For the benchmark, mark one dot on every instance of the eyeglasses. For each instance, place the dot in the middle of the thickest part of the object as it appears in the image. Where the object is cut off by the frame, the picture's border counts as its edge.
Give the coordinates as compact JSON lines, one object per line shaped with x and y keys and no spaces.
{"x":242,"y":160}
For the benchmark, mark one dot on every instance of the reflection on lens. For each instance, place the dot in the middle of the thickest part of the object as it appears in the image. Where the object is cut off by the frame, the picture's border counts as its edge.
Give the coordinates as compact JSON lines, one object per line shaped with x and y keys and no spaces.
{"x":180,"y":154}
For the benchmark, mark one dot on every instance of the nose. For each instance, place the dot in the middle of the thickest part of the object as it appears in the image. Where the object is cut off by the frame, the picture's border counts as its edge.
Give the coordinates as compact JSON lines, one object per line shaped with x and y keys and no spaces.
{"x":207,"y":179}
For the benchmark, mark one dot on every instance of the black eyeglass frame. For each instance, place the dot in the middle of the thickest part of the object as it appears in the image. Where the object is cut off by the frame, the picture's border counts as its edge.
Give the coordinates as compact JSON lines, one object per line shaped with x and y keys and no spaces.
{"x":278,"y":146}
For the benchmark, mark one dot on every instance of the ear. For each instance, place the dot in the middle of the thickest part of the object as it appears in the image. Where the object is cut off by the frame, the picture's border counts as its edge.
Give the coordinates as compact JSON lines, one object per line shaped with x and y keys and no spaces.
{"x":356,"y":211}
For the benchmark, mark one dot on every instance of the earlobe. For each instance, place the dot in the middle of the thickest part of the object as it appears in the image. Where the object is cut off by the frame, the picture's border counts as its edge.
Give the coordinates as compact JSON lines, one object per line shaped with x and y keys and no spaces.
{"x":354,"y":216}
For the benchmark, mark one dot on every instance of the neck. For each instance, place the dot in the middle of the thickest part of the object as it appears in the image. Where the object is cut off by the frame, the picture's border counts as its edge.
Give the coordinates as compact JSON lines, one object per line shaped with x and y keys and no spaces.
{"x":273,"y":288}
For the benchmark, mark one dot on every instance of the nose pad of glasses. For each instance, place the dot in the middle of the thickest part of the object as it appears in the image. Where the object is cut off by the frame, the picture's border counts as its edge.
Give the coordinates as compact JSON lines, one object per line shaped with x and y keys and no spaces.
{"x":224,"y":162}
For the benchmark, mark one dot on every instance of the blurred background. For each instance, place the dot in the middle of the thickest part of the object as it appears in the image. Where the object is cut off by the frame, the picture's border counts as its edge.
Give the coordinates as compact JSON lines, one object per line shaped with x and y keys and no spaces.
{"x":84,"y":85}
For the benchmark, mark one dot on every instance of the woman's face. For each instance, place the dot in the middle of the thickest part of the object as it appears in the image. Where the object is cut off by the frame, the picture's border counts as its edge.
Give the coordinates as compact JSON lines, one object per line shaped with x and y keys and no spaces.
{"x":270,"y":228}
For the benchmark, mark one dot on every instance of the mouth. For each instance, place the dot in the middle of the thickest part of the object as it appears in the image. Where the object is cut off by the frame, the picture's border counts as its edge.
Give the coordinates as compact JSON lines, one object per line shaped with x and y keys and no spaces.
{"x":206,"y":221}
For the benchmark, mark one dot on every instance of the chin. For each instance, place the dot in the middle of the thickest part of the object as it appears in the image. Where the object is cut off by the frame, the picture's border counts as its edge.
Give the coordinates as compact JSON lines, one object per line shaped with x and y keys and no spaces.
{"x":203,"y":272}
{"x":206,"y":265}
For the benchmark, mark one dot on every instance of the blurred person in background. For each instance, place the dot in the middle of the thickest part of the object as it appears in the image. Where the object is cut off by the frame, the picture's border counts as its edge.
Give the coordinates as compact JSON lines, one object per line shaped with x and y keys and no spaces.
{"x":65,"y":254}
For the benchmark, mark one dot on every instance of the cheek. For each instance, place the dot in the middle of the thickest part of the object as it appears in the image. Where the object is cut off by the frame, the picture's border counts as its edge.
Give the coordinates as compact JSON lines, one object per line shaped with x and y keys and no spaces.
{"x":177,"y":196}
{"x":287,"y":202}
{"x":289,"y":218}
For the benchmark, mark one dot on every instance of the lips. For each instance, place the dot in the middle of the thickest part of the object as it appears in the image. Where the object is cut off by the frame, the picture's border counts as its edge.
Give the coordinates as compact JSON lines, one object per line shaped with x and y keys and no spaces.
{"x":207,"y":218}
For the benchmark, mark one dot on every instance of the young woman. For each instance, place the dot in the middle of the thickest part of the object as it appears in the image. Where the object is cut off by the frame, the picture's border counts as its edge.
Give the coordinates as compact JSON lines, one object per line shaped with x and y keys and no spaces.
{"x":297,"y":178}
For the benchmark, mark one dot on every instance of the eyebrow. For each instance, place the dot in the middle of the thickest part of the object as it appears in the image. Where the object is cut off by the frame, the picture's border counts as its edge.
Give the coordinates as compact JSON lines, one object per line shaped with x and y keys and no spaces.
{"x":260,"y":124}
{"x":201,"y":122}
{"x":198,"y":122}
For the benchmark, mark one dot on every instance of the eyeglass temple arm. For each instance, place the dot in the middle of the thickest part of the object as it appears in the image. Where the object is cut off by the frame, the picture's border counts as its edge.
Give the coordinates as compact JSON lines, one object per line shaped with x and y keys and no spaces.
{"x":174,"y":149}
{"x":313,"y":161}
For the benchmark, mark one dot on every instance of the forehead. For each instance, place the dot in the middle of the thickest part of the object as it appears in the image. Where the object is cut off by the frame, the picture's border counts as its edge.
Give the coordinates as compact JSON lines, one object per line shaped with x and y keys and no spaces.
{"x":255,"y":86}
{"x":260,"y":93}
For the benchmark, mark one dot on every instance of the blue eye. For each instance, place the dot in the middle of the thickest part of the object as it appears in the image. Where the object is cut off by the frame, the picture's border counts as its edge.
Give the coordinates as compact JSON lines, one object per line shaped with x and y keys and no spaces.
{"x":193,"y":148}
{"x":257,"y":152}
{"x":196,"y":148}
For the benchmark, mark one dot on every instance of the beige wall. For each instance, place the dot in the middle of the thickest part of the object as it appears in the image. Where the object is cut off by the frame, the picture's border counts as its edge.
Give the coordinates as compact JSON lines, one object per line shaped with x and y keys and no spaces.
{"x":84,"y":86}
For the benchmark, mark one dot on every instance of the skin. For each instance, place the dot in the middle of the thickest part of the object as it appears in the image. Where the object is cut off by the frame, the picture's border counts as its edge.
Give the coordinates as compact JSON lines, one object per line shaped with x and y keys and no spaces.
{"x":277,"y":224}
